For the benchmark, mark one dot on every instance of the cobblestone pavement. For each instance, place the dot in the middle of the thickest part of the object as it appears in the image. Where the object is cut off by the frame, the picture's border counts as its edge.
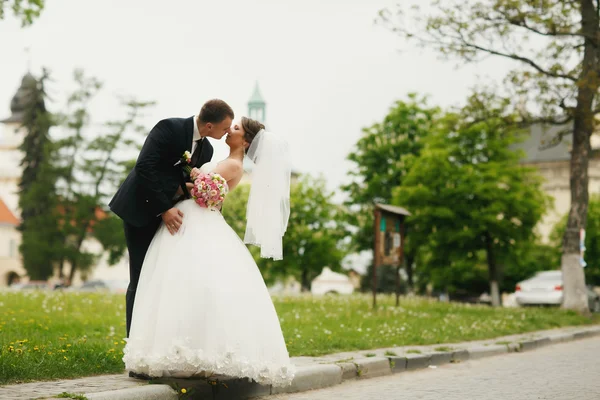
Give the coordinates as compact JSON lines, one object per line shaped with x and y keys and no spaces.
{"x":568,"y":371}
{"x":37,"y":390}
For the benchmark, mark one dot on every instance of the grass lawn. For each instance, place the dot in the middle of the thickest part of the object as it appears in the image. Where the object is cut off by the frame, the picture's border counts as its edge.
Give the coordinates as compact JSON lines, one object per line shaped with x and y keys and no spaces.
{"x":51,"y":335}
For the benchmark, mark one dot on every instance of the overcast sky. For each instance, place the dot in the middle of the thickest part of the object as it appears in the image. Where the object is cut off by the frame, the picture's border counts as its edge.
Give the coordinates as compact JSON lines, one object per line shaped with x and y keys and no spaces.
{"x":325,"y":69}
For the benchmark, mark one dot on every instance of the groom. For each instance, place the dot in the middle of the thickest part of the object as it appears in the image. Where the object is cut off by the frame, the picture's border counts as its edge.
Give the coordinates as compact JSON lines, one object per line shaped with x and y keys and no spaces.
{"x":151,"y":189}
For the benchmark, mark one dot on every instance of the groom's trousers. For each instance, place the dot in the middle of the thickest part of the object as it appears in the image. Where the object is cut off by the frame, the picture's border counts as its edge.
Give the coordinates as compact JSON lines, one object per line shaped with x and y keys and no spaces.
{"x":138,"y":240}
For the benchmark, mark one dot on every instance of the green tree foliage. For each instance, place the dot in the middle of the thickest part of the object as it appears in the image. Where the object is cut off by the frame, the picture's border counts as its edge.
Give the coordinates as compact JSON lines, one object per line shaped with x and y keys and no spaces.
{"x":379,"y":160}
{"x":26,"y":10}
{"x":91,"y":168}
{"x":39,"y":218}
{"x":555,"y":45}
{"x":469,"y":194}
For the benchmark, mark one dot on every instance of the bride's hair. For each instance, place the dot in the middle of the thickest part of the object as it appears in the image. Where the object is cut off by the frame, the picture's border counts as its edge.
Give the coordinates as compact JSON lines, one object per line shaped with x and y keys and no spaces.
{"x":251,"y":128}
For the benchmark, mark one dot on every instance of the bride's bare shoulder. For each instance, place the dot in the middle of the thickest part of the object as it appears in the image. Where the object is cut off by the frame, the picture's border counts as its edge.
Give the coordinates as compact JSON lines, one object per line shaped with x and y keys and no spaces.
{"x":229,"y":168}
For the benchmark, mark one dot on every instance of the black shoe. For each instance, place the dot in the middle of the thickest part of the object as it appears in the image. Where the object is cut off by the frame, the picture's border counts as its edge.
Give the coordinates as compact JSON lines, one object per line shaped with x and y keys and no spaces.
{"x":139,"y":376}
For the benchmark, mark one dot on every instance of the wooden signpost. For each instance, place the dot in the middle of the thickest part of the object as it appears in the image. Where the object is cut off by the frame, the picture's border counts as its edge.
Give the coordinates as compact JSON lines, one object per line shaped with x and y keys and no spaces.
{"x":389,"y":231}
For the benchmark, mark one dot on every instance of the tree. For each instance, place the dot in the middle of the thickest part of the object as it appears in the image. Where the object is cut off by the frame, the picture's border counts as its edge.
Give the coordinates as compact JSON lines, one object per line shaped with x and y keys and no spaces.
{"x":37,"y":200}
{"x":468,"y":193}
{"x":592,"y":241}
{"x":26,"y":10}
{"x":314,"y":238}
{"x":102,"y":171}
{"x":90,"y":169}
{"x":557,"y":44}
{"x":71,"y":149}
{"x":380,"y":164}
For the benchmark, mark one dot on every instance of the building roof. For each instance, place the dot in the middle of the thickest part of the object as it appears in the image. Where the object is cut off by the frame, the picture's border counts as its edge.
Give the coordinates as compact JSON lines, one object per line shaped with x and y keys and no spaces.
{"x":543,"y":145}
{"x":6,"y":216}
{"x":393,"y":209}
{"x":17,"y":104}
{"x":256,"y":97}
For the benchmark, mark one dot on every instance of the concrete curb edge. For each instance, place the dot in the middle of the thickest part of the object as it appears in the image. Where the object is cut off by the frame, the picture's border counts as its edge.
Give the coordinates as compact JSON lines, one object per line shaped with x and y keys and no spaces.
{"x":330,"y":374}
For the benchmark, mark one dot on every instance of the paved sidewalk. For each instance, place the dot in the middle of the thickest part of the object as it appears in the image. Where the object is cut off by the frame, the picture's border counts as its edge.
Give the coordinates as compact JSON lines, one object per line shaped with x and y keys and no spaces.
{"x":90,"y":384}
{"x":567,"y":371}
{"x":313,"y":372}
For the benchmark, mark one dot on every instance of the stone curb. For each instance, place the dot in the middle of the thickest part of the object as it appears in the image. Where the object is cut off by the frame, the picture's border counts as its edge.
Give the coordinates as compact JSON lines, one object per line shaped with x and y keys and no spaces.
{"x":478,"y":352}
{"x":146,"y":392}
{"x":372,"y":367}
{"x":312,"y":377}
{"x":319,"y":376}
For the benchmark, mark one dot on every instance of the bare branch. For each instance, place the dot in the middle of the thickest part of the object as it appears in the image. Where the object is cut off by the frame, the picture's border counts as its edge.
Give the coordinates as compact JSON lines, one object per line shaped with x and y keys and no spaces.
{"x":514,"y":57}
{"x":556,"y":140}
{"x":547,"y":121}
{"x":522,"y":23}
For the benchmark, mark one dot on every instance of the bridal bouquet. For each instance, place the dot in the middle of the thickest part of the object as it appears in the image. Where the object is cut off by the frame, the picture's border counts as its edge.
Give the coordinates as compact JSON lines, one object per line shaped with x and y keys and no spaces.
{"x":209,"y":189}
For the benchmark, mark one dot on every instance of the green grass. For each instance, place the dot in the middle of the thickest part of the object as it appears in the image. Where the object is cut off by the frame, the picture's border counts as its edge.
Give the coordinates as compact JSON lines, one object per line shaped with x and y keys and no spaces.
{"x":315,"y":326}
{"x":66,"y":395}
{"x":51,"y":335}
{"x":444,"y":349}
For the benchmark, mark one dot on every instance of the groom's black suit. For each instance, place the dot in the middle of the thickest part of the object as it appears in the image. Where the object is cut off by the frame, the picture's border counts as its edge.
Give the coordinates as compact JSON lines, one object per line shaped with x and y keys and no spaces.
{"x":150,"y":188}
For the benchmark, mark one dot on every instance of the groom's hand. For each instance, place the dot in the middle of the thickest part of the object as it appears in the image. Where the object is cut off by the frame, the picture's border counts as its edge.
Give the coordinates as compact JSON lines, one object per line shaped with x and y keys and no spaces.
{"x":173,"y":218}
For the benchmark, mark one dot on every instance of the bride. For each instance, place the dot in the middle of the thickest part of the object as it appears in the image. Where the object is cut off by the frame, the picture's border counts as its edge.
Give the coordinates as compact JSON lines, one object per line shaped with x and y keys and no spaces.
{"x":202,"y":307}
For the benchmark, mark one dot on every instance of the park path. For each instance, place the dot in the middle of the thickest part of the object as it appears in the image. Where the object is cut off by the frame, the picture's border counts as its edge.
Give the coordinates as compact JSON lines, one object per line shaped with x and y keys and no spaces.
{"x":565,"y":371}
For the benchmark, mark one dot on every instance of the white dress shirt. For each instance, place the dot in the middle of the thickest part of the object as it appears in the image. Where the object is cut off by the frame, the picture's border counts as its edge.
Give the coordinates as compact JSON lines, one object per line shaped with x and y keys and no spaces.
{"x":196,"y":135}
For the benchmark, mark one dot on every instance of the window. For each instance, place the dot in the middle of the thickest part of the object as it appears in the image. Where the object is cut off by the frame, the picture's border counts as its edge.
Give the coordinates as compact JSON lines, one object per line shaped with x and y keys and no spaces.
{"x":12,"y":248}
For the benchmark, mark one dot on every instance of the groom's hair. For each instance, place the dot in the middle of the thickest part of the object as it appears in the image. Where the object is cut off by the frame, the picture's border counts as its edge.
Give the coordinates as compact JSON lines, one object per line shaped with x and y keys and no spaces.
{"x":215,"y":111}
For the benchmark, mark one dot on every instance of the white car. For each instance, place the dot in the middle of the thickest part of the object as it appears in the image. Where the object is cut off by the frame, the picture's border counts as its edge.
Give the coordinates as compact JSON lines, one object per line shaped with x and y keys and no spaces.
{"x":546,"y":288}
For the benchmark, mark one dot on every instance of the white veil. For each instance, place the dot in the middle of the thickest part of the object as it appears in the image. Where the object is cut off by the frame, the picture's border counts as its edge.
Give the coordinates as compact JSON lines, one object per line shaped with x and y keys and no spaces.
{"x":268,"y":209}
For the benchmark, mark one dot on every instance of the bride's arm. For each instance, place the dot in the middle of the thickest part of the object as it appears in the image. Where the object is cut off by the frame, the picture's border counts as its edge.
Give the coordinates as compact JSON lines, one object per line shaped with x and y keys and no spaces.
{"x":230,"y":170}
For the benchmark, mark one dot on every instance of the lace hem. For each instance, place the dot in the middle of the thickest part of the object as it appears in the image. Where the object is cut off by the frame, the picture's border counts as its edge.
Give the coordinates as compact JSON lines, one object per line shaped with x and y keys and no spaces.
{"x":184,"y":362}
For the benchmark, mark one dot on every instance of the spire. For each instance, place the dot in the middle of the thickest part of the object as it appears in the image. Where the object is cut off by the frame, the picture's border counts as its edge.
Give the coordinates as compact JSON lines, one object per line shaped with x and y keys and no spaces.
{"x":256,"y":98}
{"x":257,"y":105}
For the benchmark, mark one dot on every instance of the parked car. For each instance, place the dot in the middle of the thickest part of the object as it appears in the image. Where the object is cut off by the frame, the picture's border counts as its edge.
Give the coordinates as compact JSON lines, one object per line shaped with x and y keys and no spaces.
{"x":112,"y":286}
{"x":31,"y":285}
{"x":546,"y":288}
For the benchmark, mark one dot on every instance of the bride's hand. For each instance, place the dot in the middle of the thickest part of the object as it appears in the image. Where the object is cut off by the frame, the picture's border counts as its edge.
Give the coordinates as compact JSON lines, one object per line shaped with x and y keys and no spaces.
{"x":194,"y":173}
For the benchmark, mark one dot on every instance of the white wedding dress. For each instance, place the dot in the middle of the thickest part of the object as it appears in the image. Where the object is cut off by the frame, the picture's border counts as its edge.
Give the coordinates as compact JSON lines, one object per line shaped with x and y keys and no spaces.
{"x":203,"y":308}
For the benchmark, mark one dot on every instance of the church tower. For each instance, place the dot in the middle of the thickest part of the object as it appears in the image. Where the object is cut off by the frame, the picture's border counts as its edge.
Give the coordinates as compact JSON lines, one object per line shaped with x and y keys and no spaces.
{"x":256,"y":110}
{"x":257,"y":106}
{"x":11,"y":137}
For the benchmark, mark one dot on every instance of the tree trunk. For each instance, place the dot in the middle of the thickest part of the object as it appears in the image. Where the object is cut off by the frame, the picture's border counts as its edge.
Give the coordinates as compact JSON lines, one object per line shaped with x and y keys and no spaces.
{"x":61,"y":268}
{"x":492,"y":270}
{"x":575,"y":296}
{"x":305,"y":282}
{"x":72,"y":272}
{"x":397,"y":285}
{"x":410,"y":259}
{"x":80,"y":239}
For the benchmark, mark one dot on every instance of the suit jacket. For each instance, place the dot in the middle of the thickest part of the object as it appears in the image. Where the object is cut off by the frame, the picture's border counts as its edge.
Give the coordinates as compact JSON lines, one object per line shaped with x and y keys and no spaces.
{"x":150,"y":187}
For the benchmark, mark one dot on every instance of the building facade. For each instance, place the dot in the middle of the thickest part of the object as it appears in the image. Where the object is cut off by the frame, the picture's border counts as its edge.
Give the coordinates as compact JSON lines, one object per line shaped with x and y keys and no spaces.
{"x":553,"y":164}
